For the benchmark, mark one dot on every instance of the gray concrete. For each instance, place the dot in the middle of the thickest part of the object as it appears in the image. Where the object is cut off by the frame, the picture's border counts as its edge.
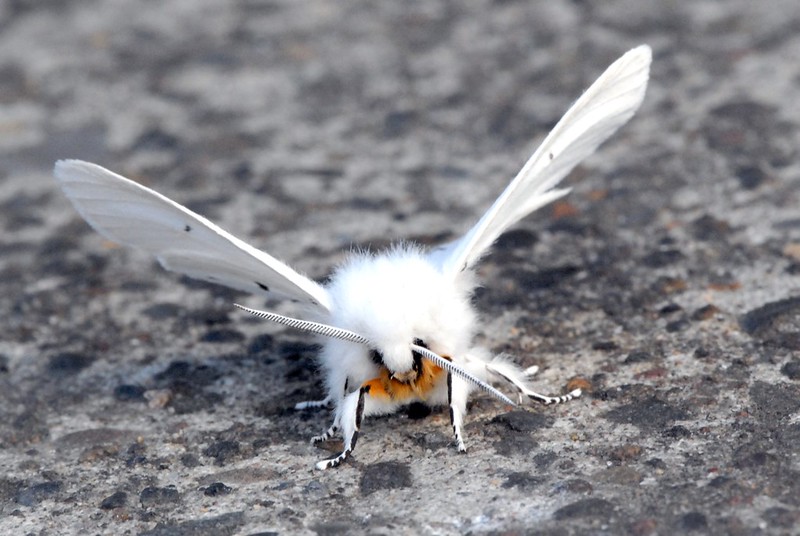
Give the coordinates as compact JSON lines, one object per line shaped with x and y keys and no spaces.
{"x":136,"y":402}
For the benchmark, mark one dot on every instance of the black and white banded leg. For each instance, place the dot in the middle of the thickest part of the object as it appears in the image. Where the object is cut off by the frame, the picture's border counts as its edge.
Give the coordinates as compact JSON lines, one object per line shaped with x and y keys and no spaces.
{"x":349,"y":417}
{"x":528,"y":373}
{"x":457,"y":392}
{"x":508,"y":373}
{"x":334,"y":429}
{"x":329,"y":433}
{"x":308,"y":404}
{"x":547,"y":400}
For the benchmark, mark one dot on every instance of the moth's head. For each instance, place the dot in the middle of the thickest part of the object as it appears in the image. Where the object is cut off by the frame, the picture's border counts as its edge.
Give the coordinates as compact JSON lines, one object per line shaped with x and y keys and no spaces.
{"x":401,"y":361}
{"x":401,"y":311}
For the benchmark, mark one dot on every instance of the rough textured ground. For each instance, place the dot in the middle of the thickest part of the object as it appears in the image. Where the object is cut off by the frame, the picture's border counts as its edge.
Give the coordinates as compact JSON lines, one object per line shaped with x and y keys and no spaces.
{"x":136,"y":402}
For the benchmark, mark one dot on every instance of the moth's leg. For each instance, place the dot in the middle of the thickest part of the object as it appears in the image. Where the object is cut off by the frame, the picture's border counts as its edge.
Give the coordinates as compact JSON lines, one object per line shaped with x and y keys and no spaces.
{"x":547,"y":400}
{"x":527,"y":373}
{"x":334,"y":428}
{"x":313,"y":403}
{"x":457,"y":393}
{"x":516,"y":377}
{"x":349,"y":417}
{"x":327,"y":434}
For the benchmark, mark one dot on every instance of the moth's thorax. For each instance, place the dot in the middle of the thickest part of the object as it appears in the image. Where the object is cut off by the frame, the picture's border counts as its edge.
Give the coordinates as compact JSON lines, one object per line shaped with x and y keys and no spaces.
{"x":397,"y":297}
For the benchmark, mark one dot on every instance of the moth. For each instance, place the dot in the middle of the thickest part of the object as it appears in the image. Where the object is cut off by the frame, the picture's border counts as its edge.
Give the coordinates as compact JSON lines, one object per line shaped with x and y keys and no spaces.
{"x":396,"y":326}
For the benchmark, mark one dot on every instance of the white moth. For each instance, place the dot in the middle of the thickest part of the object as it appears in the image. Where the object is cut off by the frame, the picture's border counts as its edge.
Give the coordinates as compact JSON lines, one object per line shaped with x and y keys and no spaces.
{"x":398,"y":325}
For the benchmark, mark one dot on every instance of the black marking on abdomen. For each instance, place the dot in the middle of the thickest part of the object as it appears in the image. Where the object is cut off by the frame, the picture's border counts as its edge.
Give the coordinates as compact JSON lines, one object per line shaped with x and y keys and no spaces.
{"x":262,"y":286}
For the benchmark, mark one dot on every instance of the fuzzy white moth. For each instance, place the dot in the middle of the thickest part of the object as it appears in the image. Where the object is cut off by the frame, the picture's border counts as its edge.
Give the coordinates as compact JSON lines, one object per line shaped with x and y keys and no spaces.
{"x":398,"y":326}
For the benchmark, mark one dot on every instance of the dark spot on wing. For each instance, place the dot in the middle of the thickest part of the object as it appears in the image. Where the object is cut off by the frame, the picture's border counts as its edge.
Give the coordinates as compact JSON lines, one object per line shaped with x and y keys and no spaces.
{"x":262,"y":286}
{"x":187,"y":228}
{"x":551,"y":156}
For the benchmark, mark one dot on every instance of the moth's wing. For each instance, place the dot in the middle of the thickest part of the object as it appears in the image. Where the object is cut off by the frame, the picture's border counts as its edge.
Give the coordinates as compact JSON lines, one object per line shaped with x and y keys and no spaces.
{"x":182,"y":241}
{"x":607,"y":105}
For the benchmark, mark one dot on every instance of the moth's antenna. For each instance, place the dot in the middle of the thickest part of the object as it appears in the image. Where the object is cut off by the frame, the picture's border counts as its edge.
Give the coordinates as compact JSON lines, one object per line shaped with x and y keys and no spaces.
{"x":352,"y":336}
{"x":307,"y":325}
{"x":452,"y":368}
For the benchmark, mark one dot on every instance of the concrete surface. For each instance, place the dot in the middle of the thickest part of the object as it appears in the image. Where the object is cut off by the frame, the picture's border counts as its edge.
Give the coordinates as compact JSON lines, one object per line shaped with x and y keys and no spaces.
{"x":136,"y":402}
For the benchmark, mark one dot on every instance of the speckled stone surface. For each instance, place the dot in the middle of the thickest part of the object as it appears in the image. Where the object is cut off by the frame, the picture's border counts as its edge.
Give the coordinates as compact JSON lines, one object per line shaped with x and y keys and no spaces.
{"x":133,"y":401}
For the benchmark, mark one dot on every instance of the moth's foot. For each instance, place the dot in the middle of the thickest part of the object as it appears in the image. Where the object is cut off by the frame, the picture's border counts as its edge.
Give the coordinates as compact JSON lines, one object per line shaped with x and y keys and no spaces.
{"x":336,"y":461}
{"x":333,"y":462}
{"x":458,"y":438}
{"x":313,"y":404}
{"x":329,"y":433}
{"x":547,"y":400}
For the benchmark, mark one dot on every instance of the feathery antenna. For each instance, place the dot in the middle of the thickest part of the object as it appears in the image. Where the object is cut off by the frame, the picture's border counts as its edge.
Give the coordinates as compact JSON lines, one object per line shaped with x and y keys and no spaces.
{"x":351,"y":336}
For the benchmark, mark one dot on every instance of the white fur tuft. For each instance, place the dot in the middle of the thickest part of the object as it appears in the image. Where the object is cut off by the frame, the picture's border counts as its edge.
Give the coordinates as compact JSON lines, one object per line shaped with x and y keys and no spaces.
{"x":396,"y":297}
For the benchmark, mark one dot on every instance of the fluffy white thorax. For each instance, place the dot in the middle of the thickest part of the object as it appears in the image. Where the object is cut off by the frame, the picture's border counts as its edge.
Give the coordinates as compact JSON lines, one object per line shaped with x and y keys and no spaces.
{"x":398,"y":296}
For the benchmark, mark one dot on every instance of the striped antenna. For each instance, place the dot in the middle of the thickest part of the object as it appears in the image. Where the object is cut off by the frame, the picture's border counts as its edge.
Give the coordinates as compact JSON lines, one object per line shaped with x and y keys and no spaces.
{"x":452,"y":368}
{"x":351,"y":336}
{"x":307,"y":325}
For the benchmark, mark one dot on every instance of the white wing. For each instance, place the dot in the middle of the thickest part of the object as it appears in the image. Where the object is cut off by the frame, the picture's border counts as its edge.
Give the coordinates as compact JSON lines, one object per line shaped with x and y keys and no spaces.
{"x":607,"y":105}
{"x":182,"y":241}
